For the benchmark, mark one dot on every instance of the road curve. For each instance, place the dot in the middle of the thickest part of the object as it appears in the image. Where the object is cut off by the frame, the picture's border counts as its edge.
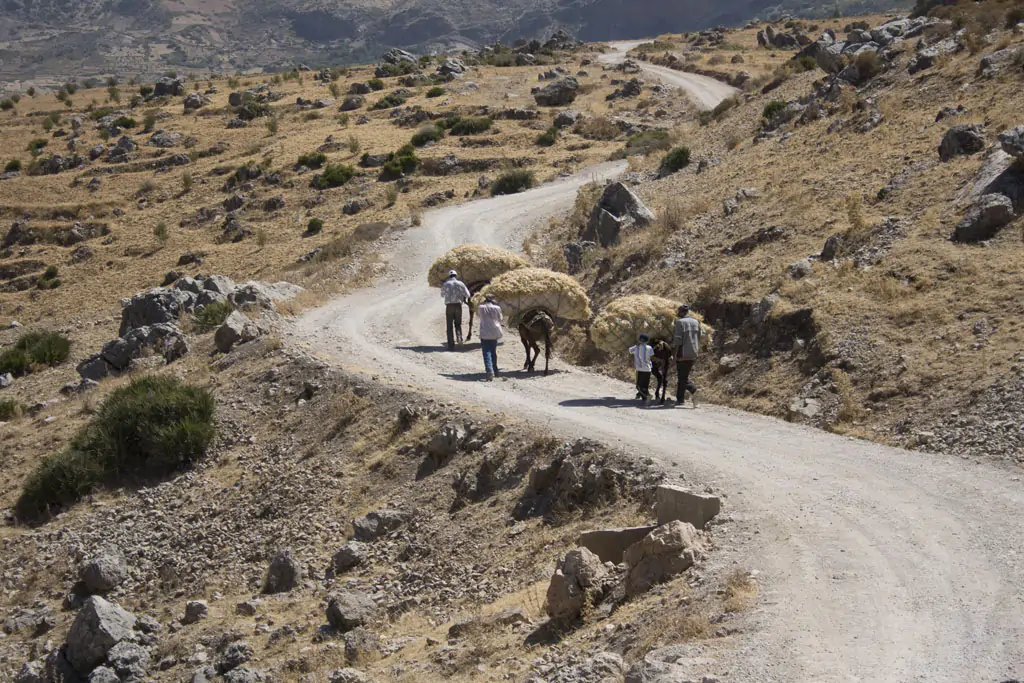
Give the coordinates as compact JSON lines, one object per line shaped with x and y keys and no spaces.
{"x":706,"y":92}
{"x":875,"y":564}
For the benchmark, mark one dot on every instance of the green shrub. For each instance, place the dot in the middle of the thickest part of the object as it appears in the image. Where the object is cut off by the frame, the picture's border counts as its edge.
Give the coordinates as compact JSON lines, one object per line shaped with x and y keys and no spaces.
{"x":36,"y":146}
{"x":548,"y":138}
{"x":375,"y":84}
{"x":436,"y":91}
{"x":400,"y":163}
{"x":334,"y":175}
{"x":315,"y":226}
{"x":125,"y":122}
{"x":428,"y":133}
{"x":448,"y":120}
{"x":273,"y":126}
{"x":312,"y":160}
{"x":6,"y":104}
{"x":400,"y":69}
{"x":47,"y":125}
{"x":772,"y":108}
{"x":31,"y":92}
{"x":677,"y":159}
{"x":648,"y":141}
{"x":153,"y":427}
{"x":13,"y":165}
{"x":805,"y":63}
{"x":145,"y":90}
{"x":391,"y":195}
{"x":512,"y":182}
{"x":160,"y":232}
{"x":389,"y":101}
{"x":9,"y":410}
{"x":50,"y":272}
{"x":212,"y":316}
{"x":471,"y":126}
{"x":35,"y":348}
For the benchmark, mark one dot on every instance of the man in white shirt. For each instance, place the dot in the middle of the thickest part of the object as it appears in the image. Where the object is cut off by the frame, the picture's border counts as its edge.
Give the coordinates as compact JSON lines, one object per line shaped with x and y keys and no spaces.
{"x":455,"y":293}
{"x":490,"y":332}
{"x":642,"y":354}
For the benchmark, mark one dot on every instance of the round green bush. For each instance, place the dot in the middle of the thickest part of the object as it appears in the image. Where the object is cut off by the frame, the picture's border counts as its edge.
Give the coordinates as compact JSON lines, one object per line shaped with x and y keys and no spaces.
{"x":428,"y":133}
{"x":677,"y":159}
{"x":315,"y":226}
{"x":512,"y":182}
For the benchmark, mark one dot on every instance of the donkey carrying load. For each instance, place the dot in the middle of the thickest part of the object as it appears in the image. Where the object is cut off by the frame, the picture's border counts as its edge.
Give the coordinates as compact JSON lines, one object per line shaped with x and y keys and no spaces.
{"x":533,"y":298}
{"x":621,"y":322}
{"x":477,"y":265}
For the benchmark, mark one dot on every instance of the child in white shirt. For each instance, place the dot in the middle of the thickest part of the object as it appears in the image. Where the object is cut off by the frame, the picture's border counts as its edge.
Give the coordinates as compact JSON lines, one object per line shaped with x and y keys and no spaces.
{"x":642,"y":354}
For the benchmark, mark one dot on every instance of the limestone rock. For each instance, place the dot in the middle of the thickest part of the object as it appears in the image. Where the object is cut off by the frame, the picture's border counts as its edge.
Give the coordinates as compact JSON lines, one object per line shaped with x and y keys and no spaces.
{"x":103,"y":572}
{"x":283,"y":574}
{"x":98,"y":627}
{"x":984,"y":219}
{"x":237,"y":329}
{"x":378,"y":523}
{"x":559,"y":93}
{"x":350,"y":555}
{"x":577,"y":579}
{"x":961,"y":139}
{"x":663,"y":554}
{"x":350,"y":609}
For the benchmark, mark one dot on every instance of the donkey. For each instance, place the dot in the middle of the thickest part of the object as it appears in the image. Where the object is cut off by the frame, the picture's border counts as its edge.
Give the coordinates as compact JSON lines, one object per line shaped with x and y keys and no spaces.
{"x":473,"y":289}
{"x":534,"y":326}
{"x":661,"y":360}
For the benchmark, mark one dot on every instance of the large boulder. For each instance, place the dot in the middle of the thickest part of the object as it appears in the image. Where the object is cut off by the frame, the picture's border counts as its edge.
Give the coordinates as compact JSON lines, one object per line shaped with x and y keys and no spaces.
{"x":577,"y":581}
{"x":169,"y":86}
{"x":962,"y":139}
{"x":559,"y":93}
{"x":445,"y":442}
{"x":1012,"y":142}
{"x":103,"y":572}
{"x":283,"y":574}
{"x":130,"y":661}
{"x":984,"y":219}
{"x":236,"y":329}
{"x":158,"y":305}
{"x":164,"y":338}
{"x":350,"y":609}
{"x":663,"y":554}
{"x":378,"y":523}
{"x":194,"y":101}
{"x":350,"y":555}
{"x":98,"y":627}
{"x":352,"y":102}
{"x":451,"y":67}
{"x":619,"y":208}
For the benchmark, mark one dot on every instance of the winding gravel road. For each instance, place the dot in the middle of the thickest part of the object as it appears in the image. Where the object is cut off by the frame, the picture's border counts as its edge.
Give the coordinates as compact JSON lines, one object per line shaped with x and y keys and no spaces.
{"x":706,"y":92}
{"x":875,"y":564}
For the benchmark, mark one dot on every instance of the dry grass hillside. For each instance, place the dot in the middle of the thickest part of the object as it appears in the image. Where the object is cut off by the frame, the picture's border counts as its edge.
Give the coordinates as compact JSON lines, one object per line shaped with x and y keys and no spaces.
{"x":904,"y":336}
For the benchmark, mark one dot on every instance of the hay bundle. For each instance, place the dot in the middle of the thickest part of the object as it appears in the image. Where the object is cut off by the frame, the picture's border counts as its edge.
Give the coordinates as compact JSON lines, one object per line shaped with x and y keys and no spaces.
{"x":618,"y":326}
{"x":474,"y":263}
{"x":526,"y":289}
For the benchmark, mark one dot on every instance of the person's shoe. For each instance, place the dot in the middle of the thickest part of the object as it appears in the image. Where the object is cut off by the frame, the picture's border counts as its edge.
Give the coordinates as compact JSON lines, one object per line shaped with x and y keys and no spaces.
{"x":490,"y":376}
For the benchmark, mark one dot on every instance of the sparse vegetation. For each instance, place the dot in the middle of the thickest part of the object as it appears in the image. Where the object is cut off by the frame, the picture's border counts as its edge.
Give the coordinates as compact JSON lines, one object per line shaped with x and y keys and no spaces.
{"x":772,"y":108}
{"x":35,"y":147}
{"x":312,"y":160}
{"x":334,"y":175}
{"x":399,"y":163}
{"x":125,"y":122}
{"x":145,"y":90}
{"x":9,"y":410}
{"x":186,"y":182}
{"x":148,"y":429}
{"x":548,"y":138}
{"x":391,"y":195}
{"x":426,"y":134}
{"x":598,"y":128}
{"x":648,"y":141}
{"x":13,"y":166}
{"x":212,"y":316}
{"x":436,"y":91}
{"x":315,"y":226}
{"x":677,"y":159}
{"x":6,"y":104}
{"x":34,"y":348}
{"x":512,"y":182}
{"x":389,"y":101}
{"x":272,"y":125}
{"x":471,"y":126}
{"x":375,"y":84}
{"x":160,"y":232}
{"x":353,"y":145}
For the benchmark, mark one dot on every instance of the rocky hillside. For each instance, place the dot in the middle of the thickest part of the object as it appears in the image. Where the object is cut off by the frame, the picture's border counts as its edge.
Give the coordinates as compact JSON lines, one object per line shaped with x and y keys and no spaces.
{"x":93,"y":38}
{"x":849,"y":223}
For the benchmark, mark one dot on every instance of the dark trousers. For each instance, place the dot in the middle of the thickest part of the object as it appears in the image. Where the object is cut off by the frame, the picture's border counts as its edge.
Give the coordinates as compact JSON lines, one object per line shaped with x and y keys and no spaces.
{"x":683,"y":383}
{"x":643,"y":384}
{"x":490,"y":349}
{"x":453,"y":320}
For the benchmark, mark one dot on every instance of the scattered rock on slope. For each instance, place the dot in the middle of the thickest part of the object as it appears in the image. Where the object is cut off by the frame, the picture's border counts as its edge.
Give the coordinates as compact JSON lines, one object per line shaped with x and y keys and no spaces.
{"x":962,"y":139}
{"x":103,"y":572}
{"x":577,"y":582}
{"x":559,"y":93}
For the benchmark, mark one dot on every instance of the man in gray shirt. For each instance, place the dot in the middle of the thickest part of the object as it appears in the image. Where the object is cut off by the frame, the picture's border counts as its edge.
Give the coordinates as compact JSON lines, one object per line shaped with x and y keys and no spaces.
{"x":686,"y":343}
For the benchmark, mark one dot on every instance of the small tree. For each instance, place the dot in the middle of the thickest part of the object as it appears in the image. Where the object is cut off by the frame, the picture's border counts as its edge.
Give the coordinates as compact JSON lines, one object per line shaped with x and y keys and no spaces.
{"x":315,"y":226}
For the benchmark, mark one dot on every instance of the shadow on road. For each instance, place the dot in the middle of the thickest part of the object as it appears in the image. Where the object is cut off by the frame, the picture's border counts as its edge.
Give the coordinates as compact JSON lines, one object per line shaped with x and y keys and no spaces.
{"x":507,"y":374}
{"x":440,"y":348}
{"x":611,"y":402}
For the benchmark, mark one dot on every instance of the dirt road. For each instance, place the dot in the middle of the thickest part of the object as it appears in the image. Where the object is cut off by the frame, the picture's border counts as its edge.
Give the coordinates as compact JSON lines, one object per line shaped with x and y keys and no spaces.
{"x":706,"y":92}
{"x":876,"y":564}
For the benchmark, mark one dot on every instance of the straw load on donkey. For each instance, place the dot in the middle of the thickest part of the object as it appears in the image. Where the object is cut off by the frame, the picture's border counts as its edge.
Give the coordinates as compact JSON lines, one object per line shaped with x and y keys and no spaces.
{"x":477,"y":265}
{"x":620,"y":323}
{"x":533,"y":298}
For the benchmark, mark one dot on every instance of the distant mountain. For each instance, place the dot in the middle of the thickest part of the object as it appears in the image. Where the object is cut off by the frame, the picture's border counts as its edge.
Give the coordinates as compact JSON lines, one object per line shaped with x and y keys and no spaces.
{"x":62,"y":38}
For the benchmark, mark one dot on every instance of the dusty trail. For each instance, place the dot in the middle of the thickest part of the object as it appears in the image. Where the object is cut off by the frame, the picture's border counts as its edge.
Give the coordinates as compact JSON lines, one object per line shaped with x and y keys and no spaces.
{"x":876,"y":563}
{"x":706,"y":92}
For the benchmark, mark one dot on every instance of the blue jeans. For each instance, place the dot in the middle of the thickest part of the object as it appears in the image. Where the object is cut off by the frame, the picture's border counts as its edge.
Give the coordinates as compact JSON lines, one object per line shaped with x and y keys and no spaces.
{"x":490,"y":349}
